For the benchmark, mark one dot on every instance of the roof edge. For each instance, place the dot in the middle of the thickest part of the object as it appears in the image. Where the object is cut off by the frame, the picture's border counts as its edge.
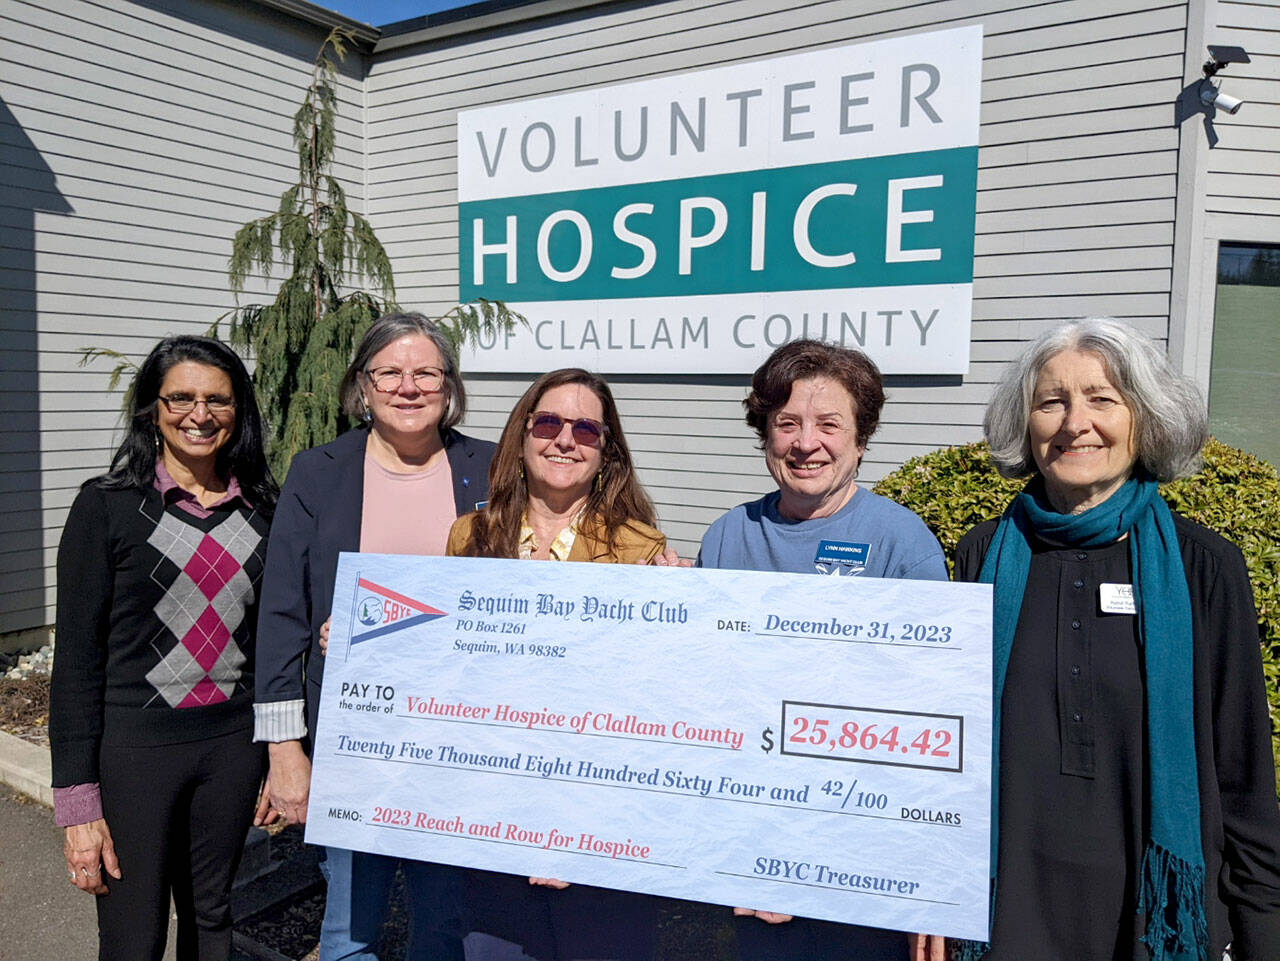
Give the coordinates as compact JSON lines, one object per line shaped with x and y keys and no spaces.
{"x":323,"y":17}
{"x":483,"y":15}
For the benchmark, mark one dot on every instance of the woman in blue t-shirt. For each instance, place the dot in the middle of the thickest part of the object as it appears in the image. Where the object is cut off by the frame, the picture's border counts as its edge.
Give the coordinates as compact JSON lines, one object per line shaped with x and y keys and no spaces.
{"x":814,"y":406}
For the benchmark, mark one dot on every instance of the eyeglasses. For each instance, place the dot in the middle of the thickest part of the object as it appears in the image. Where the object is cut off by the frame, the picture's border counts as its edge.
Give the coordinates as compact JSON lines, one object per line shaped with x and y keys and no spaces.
{"x":184,"y":403}
{"x":547,"y":426}
{"x":387,"y":380}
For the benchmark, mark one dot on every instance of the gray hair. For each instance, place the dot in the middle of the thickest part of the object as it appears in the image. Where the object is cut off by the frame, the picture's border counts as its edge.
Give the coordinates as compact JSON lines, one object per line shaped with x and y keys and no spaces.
{"x":386,"y":330}
{"x":1169,"y":417}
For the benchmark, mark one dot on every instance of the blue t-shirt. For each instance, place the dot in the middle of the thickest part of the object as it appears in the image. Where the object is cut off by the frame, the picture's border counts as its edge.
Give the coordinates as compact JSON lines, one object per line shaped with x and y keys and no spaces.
{"x":870,"y":536}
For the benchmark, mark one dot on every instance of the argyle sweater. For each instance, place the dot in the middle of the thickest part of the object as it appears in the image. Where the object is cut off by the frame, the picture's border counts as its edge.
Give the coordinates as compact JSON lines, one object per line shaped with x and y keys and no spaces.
{"x":155,"y":620}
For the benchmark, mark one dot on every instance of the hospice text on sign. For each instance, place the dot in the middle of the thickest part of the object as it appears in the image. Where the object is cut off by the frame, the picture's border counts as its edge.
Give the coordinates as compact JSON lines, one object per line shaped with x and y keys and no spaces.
{"x":817,"y":746}
{"x":693,"y":223}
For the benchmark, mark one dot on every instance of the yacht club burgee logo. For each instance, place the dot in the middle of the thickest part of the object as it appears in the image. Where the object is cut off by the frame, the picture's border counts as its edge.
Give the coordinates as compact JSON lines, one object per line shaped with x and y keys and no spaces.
{"x":380,"y":610}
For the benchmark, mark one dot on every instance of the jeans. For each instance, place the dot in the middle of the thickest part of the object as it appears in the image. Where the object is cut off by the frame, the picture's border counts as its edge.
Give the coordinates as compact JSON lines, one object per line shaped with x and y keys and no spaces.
{"x":360,"y":892}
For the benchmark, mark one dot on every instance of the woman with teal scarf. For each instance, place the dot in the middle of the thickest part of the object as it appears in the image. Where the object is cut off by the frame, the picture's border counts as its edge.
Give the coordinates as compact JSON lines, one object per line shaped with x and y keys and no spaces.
{"x":1136,"y":810}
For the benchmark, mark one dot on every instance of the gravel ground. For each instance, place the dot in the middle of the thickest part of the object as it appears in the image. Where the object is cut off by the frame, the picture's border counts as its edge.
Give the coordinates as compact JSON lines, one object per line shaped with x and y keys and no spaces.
{"x":282,"y":910}
{"x":24,"y":708}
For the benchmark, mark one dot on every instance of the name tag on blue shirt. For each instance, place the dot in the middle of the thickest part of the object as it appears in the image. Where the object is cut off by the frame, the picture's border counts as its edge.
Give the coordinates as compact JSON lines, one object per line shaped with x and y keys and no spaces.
{"x":841,"y":557}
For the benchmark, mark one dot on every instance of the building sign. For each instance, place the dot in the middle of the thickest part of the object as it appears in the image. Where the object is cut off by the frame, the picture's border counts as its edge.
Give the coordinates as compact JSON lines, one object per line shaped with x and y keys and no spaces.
{"x":691,"y":224}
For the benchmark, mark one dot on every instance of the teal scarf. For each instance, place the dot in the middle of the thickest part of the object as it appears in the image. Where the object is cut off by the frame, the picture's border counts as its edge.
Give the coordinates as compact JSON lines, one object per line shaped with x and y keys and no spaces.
{"x":1172,"y":877}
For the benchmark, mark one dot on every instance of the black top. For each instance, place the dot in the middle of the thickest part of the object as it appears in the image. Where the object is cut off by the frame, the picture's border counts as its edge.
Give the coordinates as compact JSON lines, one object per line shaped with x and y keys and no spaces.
{"x":155,"y":625}
{"x":1073,"y":753}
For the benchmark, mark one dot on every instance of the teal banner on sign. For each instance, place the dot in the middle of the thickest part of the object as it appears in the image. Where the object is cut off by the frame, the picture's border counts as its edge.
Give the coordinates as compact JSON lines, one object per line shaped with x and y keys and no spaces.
{"x":873,"y":222}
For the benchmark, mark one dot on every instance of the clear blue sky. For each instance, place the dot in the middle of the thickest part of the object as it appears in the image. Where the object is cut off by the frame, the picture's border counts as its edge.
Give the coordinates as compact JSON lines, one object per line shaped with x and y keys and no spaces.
{"x":379,"y":13}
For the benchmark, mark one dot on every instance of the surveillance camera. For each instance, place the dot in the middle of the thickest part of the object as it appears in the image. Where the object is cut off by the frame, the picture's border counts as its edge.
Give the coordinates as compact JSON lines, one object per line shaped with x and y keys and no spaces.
{"x":1224,"y":101}
{"x":1212,"y":96}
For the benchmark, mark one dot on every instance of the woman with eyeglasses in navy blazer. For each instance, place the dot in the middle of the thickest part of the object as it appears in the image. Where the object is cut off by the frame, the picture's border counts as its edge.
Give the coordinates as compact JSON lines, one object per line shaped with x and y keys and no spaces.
{"x":394,"y":485}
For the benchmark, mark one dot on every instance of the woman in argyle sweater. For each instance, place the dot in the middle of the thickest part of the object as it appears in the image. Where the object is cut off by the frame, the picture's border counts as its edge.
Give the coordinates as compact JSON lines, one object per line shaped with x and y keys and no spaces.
{"x":151,"y":711}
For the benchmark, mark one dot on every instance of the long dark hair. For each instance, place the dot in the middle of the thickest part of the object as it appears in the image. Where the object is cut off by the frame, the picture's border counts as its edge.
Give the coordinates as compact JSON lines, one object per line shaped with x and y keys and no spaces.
{"x":134,"y":463}
{"x":617,"y":499}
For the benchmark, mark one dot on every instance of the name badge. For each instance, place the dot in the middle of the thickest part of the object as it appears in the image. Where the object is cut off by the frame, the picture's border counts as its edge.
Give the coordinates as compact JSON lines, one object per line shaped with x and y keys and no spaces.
{"x":1117,"y":599}
{"x":841,"y":557}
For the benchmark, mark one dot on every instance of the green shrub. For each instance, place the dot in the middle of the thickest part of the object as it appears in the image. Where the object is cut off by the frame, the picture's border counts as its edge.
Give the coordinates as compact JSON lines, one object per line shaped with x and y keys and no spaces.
{"x":1235,"y":494}
{"x":951,"y":490}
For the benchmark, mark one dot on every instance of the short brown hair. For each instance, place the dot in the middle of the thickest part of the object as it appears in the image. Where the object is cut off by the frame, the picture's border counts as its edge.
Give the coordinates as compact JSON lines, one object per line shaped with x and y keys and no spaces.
{"x":801,"y":359}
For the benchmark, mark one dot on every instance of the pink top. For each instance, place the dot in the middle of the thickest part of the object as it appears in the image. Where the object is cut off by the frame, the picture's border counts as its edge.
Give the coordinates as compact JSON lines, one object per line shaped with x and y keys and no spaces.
{"x":406,"y":513}
{"x":184,"y":499}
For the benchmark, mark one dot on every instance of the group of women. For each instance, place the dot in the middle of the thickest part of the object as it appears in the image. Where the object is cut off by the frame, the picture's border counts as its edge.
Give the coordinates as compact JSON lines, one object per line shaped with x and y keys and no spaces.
{"x":1134,"y":800}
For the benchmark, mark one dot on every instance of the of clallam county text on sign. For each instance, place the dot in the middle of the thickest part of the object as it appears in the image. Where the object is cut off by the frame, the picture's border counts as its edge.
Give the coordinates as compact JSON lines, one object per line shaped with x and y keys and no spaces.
{"x":693,"y":223}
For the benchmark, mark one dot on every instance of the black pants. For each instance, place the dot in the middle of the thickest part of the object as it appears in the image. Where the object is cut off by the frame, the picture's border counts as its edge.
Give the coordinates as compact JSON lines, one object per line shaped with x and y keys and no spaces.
{"x":579,"y":922}
{"x":178,"y":815}
{"x":807,"y":939}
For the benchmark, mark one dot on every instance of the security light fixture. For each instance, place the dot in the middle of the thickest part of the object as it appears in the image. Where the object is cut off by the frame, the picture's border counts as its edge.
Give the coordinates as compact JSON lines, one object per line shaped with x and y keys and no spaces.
{"x":1212,"y":96}
{"x":1221,"y":56}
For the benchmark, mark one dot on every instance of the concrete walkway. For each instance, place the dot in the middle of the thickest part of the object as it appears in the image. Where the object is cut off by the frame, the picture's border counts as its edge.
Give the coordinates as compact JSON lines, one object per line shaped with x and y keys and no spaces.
{"x":42,"y":917}
{"x":25,"y":767}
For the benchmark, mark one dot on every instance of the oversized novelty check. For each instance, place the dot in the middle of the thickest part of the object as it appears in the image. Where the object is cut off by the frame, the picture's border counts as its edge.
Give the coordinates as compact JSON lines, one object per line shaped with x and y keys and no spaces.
{"x":818,"y":746}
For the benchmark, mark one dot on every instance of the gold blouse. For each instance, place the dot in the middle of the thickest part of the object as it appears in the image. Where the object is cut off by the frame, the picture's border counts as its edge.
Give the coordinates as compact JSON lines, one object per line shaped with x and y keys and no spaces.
{"x":560,"y":547}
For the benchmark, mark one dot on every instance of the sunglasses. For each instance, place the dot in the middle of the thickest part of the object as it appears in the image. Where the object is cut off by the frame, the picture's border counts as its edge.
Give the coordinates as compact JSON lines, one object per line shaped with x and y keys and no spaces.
{"x":547,"y":426}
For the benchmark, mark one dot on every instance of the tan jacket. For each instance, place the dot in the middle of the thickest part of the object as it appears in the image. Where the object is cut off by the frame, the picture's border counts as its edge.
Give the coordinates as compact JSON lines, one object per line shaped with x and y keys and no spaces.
{"x":633,"y":542}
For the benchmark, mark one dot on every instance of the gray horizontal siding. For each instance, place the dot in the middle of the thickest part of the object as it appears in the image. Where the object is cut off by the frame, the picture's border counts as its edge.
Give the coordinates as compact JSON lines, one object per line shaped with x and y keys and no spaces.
{"x":137,"y":138}
{"x":1243,"y":172}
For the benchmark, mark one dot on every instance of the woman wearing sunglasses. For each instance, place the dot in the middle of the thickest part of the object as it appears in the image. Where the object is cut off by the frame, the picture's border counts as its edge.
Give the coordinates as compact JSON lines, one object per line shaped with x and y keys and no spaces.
{"x":562,"y":487}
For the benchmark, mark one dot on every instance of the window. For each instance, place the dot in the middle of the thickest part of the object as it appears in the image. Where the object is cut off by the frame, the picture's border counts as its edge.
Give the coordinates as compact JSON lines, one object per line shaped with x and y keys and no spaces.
{"x":1244,"y":374}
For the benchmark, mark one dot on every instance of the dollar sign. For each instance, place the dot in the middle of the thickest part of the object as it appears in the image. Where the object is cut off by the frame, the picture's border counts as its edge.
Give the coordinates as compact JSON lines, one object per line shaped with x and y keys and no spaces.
{"x":766,"y":740}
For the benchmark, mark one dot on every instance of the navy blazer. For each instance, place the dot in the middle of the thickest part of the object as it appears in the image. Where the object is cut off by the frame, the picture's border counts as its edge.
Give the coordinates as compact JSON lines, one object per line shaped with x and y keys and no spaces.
{"x":317,"y":517}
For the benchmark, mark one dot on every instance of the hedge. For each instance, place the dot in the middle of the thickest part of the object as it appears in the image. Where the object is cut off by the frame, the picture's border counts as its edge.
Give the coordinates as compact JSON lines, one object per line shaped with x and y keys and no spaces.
{"x":1235,"y":494}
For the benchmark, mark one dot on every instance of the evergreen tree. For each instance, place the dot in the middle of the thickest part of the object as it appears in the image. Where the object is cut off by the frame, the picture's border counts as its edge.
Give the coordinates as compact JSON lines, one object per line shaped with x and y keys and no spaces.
{"x":304,"y":339}
{"x":1264,"y":268}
